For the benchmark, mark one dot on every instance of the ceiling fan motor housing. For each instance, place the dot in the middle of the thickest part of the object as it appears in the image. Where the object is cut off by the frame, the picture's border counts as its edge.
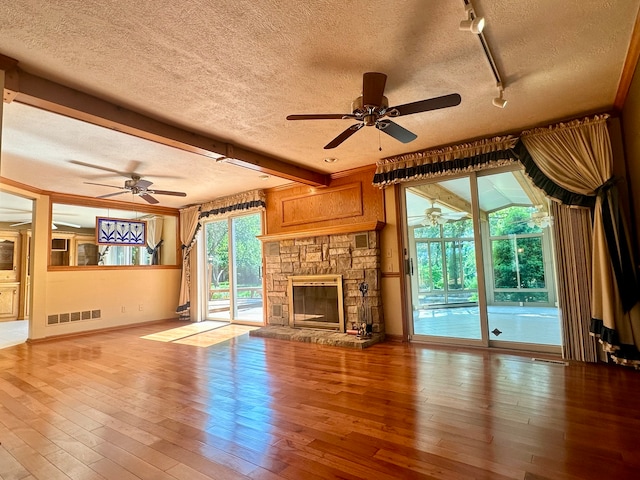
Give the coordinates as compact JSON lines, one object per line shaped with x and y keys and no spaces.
{"x":369,"y":113}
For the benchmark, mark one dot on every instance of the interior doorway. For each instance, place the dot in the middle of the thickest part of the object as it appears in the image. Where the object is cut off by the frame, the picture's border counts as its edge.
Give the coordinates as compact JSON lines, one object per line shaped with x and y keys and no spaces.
{"x":480,"y":255}
{"x":233,"y":266}
{"x":16,"y":214}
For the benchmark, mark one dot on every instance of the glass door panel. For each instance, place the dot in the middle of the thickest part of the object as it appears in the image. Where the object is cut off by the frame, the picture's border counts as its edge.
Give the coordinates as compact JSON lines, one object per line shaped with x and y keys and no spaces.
{"x":442,"y":252}
{"x":519,"y":269}
{"x":247,"y":268}
{"x":218,"y":293}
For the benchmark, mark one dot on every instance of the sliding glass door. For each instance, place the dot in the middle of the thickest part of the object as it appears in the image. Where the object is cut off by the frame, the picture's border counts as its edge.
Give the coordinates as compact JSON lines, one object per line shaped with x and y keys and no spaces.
{"x":443,"y":276}
{"x":234,"y":269}
{"x":480,"y":262}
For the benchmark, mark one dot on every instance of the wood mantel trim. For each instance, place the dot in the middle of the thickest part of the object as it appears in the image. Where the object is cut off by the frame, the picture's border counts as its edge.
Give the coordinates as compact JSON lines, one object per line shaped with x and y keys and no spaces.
{"x":337,"y":230}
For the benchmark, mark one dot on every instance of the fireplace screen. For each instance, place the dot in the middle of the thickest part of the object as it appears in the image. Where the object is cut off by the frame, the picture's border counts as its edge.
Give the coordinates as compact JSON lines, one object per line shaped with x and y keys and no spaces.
{"x":315,"y":301}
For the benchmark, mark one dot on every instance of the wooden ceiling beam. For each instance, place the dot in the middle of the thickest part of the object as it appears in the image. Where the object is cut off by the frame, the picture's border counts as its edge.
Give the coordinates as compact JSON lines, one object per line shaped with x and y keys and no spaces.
{"x":38,"y":92}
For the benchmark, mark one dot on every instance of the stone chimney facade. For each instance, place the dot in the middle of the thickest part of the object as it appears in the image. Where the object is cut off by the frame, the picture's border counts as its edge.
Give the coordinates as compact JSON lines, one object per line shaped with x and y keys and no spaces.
{"x":355,"y":256}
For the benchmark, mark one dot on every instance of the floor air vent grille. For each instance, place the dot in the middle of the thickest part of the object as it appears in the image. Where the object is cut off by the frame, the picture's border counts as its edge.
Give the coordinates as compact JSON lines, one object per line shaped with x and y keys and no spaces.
{"x":547,"y":360}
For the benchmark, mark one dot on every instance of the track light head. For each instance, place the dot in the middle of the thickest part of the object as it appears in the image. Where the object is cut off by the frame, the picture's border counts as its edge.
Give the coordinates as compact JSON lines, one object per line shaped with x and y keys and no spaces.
{"x":499,"y":101}
{"x":473,"y":23}
{"x":474,"y":26}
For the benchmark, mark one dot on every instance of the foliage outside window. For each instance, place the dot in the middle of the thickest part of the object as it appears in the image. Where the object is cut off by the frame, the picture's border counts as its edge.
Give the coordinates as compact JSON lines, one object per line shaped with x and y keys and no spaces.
{"x":247,"y":255}
{"x":517,"y":256}
{"x":446,"y":262}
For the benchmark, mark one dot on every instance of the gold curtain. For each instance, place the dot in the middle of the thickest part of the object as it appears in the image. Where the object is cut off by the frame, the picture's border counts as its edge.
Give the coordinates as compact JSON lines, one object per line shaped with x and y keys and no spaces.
{"x":578,"y":156}
{"x":154,"y":236}
{"x":189,"y":226}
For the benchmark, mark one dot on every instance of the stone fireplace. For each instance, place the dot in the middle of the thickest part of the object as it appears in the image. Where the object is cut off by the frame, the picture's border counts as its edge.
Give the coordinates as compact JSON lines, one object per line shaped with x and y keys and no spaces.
{"x":355,"y":257}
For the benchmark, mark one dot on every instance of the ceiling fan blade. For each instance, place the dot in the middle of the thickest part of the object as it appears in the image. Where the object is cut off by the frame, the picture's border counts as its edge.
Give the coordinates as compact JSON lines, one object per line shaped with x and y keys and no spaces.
{"x":74,"y":225}
{"x":148,"y":198}
{"x":143,"y":184}
{"x":321,"y":116}
{"x":426,"y":105}
{"x":396,"y":131}
{"x":343,"y":136}
{"x":99,"y":167}
{"x":18,"y":224}
{"x":112,"y":194}
{"x":104,"y":185}
{"x":167,"y":192}
{"x":373,"y":88}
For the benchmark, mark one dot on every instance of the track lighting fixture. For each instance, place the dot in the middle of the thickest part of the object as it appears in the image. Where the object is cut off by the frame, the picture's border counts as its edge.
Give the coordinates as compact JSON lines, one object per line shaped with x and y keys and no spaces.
{"x":473,"y":23}
{"x":499,"y":101}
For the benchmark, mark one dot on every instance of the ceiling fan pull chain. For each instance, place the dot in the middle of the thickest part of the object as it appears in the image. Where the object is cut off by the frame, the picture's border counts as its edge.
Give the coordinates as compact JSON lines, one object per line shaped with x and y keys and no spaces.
{"x":379,"y":141}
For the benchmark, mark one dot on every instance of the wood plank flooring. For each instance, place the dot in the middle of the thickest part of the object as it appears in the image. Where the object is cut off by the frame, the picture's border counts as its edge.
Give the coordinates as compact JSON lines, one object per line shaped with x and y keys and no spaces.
{"x":117,"y":406}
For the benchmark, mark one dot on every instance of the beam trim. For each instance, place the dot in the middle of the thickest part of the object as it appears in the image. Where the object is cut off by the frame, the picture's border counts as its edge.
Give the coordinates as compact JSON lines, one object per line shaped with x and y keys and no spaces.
{"x":50,"y":96}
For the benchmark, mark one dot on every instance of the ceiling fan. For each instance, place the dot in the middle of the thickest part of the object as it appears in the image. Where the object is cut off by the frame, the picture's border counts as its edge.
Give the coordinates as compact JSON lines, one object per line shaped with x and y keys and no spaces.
{"x":372,"y":108}
{"x":140,"y":187}
{"x":433,"y":216}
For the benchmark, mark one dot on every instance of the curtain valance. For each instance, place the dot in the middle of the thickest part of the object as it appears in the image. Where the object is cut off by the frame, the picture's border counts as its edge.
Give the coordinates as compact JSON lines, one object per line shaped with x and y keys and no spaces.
{"x":254,"y":199}
{"x":490,"y":152}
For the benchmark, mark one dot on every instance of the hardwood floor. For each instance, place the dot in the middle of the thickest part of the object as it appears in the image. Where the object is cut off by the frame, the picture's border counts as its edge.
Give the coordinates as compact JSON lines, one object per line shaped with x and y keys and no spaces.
{"x":116,"y":406}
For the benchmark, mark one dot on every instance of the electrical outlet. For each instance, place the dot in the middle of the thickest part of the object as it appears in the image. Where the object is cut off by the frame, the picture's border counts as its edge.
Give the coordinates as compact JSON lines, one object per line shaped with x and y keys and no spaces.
{"x":140,"y":307}
{"x":123,"y":309}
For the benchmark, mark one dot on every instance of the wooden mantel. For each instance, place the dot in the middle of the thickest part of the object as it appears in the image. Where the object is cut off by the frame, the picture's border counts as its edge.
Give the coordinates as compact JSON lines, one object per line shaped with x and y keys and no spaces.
{"x":337,"y":230}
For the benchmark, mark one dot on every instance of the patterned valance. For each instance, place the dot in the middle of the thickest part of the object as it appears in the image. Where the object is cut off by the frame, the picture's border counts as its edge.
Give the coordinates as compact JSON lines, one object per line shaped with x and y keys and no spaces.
{"x":254,"y":199}
{"x":486,"y":153}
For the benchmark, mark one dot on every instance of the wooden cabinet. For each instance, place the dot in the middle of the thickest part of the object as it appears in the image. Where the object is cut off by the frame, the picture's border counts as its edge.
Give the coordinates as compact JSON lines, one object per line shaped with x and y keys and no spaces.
{"x":9,"y":256}
{"x":10,"y":246}
{"x":9,"y":300}
{"x":60,"y":254}
{"x":86,"y":250}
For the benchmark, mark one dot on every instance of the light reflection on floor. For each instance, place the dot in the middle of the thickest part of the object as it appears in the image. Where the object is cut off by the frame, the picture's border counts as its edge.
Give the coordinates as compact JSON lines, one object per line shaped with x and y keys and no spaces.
{"x":200,"y":334}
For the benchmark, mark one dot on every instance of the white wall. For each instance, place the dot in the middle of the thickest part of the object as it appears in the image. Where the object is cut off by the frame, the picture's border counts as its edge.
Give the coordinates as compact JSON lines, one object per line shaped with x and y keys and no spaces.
{"x":124,"y":297}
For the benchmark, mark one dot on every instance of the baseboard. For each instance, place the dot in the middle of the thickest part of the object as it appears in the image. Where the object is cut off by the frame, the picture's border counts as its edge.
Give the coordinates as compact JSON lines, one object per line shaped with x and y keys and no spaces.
{"x":97,"y":330}
{"x":394,"y":338}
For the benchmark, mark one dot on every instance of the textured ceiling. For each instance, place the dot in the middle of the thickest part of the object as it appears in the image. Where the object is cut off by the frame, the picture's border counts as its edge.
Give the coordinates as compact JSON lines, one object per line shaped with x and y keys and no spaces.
{"x":235,"y":70}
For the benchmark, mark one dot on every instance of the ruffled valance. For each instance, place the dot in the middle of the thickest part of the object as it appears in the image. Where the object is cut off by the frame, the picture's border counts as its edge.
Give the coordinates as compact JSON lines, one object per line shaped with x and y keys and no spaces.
{"x":254,"y":199}
{"x":489,"y":152}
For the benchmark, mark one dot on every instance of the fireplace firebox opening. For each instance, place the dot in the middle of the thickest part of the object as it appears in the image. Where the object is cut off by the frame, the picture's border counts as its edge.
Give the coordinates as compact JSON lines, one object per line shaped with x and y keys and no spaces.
{"x":316,"y":301}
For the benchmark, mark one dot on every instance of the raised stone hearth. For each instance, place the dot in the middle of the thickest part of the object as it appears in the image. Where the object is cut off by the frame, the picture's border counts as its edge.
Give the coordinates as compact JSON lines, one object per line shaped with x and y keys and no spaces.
{"x":354,"y":256}
{"x":321,"y":337}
